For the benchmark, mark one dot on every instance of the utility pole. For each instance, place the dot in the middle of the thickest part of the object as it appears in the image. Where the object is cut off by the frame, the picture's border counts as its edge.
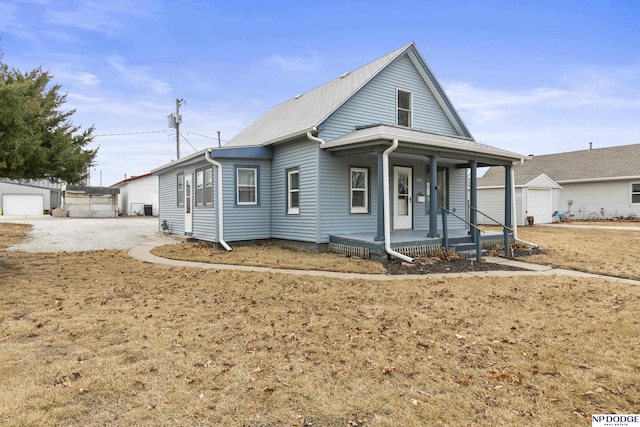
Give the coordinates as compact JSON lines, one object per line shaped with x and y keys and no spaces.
{"x":218,"y":139}
{"x":174,"y":122}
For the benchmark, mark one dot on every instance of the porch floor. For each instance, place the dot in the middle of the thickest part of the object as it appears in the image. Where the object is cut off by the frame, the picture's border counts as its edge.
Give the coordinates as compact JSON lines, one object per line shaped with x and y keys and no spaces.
{"x":409,"y":242}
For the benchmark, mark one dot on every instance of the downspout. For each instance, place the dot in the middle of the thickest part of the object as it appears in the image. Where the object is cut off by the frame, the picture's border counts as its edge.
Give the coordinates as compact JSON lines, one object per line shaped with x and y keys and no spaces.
{"x":513,"y":209}
{"x":314,"y":138}
{"x":207,"y":157}
{"x":318,"y":176}
{"x":387,"y":231}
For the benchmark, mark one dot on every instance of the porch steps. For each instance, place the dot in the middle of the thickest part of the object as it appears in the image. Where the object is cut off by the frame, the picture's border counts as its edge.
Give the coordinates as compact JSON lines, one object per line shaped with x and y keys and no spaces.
{"x":467,"y":250}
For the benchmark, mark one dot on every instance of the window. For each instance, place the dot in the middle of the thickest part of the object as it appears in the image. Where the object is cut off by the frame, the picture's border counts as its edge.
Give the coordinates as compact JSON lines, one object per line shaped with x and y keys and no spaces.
{"x":199,"y":187}
{"x":635,"y":192}
{"x":180,"y":186}
{"x":404,"y":108}
{"x":442,"y":189}
{"x":359,"y":190}
{"x":204,"y":187}
{"x":208,"y":186}
{"x":293,"y":191}
{"x":246,"y":186}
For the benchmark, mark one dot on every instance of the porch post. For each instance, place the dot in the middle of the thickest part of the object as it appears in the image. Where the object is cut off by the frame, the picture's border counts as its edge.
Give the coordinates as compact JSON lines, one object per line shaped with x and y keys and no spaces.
{"x":473,"y":196}
{"x":473,"y":213}
{"x":433,"y":197}
{"x":507,"y":210}
{"x":380,"y":210}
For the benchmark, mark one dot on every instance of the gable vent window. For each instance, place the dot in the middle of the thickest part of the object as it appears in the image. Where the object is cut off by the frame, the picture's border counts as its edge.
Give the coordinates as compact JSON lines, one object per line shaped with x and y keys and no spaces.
{"x":404,"y":102}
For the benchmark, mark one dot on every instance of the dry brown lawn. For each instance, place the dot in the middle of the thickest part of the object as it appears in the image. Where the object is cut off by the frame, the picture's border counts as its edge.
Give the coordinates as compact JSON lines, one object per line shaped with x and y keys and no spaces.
{"x":98,"y":338}
{"x":268,"y":255}
{"x":593,"y":250}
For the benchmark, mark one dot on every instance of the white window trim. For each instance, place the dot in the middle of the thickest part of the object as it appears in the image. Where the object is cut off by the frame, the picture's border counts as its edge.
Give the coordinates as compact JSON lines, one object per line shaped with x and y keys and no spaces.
{"x":398,"y":90}
{"x":200,"y":187}
{"x":365,"y":208}
{"x":255,"y":173}
{"x":291,"y":210}
{"x":631,"y":193}
{"x":208,"y":187}
{"x":179,"y":192}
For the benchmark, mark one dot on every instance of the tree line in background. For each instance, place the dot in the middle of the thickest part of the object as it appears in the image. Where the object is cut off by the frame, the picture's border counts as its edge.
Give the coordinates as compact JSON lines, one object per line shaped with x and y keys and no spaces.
{"x":37,"y":138}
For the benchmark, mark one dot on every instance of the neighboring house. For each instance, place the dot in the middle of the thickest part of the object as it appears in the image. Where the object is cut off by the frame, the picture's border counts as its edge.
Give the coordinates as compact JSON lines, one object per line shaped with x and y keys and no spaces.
{"x":138,"y":195}
{"x":29,"y":197}
{"x":362,"y":165}
{"x":535,"y":200}
{"x":593,"y":183}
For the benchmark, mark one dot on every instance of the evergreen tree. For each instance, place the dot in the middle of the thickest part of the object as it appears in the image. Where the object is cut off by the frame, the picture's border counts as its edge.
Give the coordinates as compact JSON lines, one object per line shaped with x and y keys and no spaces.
{"x":37,"y":138}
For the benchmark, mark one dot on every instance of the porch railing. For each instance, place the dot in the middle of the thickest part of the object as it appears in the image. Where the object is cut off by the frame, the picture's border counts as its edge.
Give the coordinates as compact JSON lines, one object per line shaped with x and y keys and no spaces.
{"x":445,"y":231}
{"x":506,"y":231}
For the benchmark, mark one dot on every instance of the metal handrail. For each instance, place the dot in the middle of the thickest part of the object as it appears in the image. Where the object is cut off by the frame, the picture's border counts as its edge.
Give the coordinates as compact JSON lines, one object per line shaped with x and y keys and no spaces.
{"x":462,"y":219}
{"x":494,"y":220}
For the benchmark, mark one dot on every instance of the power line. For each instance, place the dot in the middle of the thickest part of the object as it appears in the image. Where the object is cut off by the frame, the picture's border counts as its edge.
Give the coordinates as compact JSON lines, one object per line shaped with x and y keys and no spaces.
{"x":185,"y":138}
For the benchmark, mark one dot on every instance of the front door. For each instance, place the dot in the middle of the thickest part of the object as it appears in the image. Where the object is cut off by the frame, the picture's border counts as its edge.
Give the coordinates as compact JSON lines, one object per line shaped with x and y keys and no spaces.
{"x":402,"y":203}
{"x":188,"y":204}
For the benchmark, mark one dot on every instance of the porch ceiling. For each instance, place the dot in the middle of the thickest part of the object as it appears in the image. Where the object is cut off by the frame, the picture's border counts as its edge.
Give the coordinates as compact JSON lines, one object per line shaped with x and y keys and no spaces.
{"x":412,"y":142}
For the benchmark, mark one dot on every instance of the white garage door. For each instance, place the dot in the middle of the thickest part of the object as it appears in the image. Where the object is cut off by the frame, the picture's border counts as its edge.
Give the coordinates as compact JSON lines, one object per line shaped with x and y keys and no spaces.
{"x":539,"y":206}
{"x":22,"y":204}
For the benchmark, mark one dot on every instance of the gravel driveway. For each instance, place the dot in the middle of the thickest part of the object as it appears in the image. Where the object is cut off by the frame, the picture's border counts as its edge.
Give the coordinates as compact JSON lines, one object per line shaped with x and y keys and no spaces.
{"x":83,"y":234}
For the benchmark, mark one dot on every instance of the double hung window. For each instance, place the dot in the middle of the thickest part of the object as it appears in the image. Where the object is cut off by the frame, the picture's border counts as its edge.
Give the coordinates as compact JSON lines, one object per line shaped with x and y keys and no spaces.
{"x":293,"y":192}
{"x":247,"y":186}
{"x":359,"y":190}
{"x":404,"y":106}
{"x":635,"y":193}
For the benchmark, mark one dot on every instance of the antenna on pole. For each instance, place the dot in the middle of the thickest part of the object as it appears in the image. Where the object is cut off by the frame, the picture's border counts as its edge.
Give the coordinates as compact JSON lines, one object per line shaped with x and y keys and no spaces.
{"x":174,"y":121}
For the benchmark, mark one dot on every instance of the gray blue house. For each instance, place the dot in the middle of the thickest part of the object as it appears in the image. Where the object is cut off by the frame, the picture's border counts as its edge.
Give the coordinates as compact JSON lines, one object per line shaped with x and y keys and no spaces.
{"x":374,"y":163}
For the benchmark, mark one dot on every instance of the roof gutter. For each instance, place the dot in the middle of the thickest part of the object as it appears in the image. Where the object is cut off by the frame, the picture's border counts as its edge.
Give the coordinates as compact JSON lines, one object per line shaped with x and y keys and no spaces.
{"x":387,"y":213}
{"x":207,"y":157}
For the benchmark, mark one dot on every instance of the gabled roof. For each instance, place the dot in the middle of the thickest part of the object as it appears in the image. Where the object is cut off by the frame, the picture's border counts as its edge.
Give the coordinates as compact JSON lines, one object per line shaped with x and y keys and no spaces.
{"x":598,"y":164}
{"x":133,"y":178}
{"x":307,"y":111}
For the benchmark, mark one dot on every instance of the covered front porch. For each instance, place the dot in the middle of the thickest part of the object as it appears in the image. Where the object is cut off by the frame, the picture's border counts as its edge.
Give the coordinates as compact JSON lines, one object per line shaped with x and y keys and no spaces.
{"x":419,"y":206}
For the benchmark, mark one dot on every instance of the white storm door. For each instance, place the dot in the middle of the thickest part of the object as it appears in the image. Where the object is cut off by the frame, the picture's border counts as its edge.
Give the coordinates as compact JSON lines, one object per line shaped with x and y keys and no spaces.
{"x":402,"y":203}
{"x":188,"y":203}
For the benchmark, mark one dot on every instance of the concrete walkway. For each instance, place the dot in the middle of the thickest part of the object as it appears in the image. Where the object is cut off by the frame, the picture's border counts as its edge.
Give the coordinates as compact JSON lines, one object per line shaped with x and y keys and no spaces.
{"x":143,"y":253}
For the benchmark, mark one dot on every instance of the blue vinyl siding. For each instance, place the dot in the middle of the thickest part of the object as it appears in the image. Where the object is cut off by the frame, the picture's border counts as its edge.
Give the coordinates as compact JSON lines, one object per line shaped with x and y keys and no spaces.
{"x":335,"y":210}
{"x":376,"y":103}
{"x":303,"y":155}
{"x":246,"y":222}
{"x":204,"y":217}
{"x":168,"y":207}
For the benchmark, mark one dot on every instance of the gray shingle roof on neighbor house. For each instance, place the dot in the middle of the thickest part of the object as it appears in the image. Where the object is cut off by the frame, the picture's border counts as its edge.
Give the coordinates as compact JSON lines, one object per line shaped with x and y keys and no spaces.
{"x":574,"y":166}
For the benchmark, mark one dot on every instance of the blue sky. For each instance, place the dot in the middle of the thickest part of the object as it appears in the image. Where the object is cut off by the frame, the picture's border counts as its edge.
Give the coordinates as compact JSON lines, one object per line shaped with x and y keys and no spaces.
{"x":534,"y":77}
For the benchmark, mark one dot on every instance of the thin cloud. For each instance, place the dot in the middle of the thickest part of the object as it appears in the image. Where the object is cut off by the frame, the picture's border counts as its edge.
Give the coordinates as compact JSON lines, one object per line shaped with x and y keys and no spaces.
{"x":73,"y":78}
{"x":293,"y":63}
{"x":611,"y":90}
{"x":94,"y":15}
{"x":139,"y":76}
